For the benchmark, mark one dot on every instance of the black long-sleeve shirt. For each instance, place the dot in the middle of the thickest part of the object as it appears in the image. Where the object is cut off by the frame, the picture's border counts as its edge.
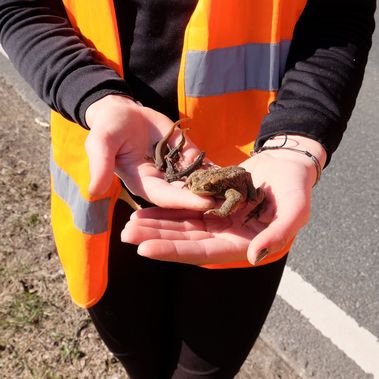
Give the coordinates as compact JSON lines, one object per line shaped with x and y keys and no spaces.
{"x":323,"y":75}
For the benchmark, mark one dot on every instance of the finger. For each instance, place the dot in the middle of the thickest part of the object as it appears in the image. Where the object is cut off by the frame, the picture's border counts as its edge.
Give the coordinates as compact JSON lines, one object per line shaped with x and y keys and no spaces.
{"x":167,"y":214}
{"x":290,"y":217}
{"x":206,"y":251}
{"x":136,"y":234}
{"x":145,"y":181}
{"x":166,"y":195}
{"x":101,"y":156}
{"x":180,"y":225}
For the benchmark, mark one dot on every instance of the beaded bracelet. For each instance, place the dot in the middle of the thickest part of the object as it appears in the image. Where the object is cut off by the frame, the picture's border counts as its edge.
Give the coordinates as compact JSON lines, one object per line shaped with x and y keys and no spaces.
{"x":283,"y":147}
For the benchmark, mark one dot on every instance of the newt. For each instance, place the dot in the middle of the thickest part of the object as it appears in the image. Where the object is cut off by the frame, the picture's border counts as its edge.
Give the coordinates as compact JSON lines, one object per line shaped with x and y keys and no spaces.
{"x":162,"y":148}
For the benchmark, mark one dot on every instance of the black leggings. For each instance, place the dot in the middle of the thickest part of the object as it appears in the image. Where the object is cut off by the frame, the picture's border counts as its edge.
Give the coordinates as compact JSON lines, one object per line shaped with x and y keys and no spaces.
{"x":169,"y":320}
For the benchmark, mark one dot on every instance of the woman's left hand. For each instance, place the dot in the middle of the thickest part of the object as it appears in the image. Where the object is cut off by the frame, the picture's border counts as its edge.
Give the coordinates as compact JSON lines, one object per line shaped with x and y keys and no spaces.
{"x":191,"y":237}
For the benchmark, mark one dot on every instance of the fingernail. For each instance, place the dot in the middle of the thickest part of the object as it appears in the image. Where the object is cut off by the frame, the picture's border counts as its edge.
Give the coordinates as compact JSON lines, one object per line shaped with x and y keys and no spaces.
{"x":261,"y":255}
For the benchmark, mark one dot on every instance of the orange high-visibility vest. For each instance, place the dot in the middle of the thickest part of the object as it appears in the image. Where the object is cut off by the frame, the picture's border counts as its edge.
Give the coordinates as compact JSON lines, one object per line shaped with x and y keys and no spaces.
{"x":234,"y":55}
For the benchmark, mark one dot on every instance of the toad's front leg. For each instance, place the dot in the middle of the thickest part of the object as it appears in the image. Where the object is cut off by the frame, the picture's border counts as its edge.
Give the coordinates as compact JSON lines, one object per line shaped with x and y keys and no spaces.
{"x":232,"y":202}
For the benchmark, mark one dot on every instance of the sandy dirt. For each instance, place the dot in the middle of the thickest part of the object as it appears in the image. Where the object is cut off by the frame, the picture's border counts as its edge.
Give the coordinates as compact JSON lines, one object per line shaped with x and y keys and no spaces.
{"x":42,"y":334}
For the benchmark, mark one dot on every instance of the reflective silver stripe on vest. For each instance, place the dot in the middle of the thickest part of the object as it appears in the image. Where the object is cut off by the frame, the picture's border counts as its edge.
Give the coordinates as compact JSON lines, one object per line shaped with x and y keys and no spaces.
{"x":257,"y":66}
{"x":90,"y":217}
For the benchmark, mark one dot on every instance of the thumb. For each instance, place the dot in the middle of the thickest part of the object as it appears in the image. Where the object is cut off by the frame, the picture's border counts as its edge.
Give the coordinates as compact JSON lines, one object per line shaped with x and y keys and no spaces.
{"x":279,"y":233}
{"x":101,"y":156}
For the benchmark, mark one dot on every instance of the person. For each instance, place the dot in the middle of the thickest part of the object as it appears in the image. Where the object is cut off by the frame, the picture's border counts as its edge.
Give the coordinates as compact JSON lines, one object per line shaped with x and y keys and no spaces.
{"x":172,"y":291}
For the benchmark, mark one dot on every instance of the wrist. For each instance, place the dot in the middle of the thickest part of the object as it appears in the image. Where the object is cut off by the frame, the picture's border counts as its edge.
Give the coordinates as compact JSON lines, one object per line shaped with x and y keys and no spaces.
{"x":103,"y":104}
{"x":299,"y":142}
{"x":299,"y":149}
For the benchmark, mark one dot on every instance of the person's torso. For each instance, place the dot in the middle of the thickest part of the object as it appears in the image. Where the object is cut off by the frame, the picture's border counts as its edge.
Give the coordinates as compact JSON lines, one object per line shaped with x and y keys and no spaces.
{"x":152,"y":34}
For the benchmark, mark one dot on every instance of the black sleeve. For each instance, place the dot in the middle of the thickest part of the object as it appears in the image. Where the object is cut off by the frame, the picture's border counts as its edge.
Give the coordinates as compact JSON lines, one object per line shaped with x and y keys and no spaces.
{"x":51,"y":57}
{"x":324,"y":72}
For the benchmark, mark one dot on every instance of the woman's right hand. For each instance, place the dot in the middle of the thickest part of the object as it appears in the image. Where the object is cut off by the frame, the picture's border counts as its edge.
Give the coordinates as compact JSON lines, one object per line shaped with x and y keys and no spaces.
{"x":121,"y":140}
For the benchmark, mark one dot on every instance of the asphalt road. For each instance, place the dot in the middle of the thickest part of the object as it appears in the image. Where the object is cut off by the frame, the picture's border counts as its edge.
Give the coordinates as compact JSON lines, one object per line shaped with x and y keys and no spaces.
{"x":337,"y":253}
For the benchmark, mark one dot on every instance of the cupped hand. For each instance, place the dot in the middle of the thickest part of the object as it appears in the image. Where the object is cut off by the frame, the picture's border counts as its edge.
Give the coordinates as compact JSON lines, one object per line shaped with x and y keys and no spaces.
{"x":192,"y":237}
{"x":121,"y":140}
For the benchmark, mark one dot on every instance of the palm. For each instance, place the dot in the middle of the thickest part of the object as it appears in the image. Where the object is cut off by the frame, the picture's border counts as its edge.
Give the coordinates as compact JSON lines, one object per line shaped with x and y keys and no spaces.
{"x":190,"y":236}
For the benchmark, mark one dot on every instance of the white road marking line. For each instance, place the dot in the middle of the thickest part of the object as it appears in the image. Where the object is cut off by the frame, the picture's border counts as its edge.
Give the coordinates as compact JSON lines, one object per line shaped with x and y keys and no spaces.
{"x":3,"y":52}
{"x":356,"y":342}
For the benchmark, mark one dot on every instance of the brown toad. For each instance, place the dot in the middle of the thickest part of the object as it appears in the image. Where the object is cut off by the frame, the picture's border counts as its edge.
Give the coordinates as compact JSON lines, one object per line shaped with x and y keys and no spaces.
{"x":233,"y":183}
